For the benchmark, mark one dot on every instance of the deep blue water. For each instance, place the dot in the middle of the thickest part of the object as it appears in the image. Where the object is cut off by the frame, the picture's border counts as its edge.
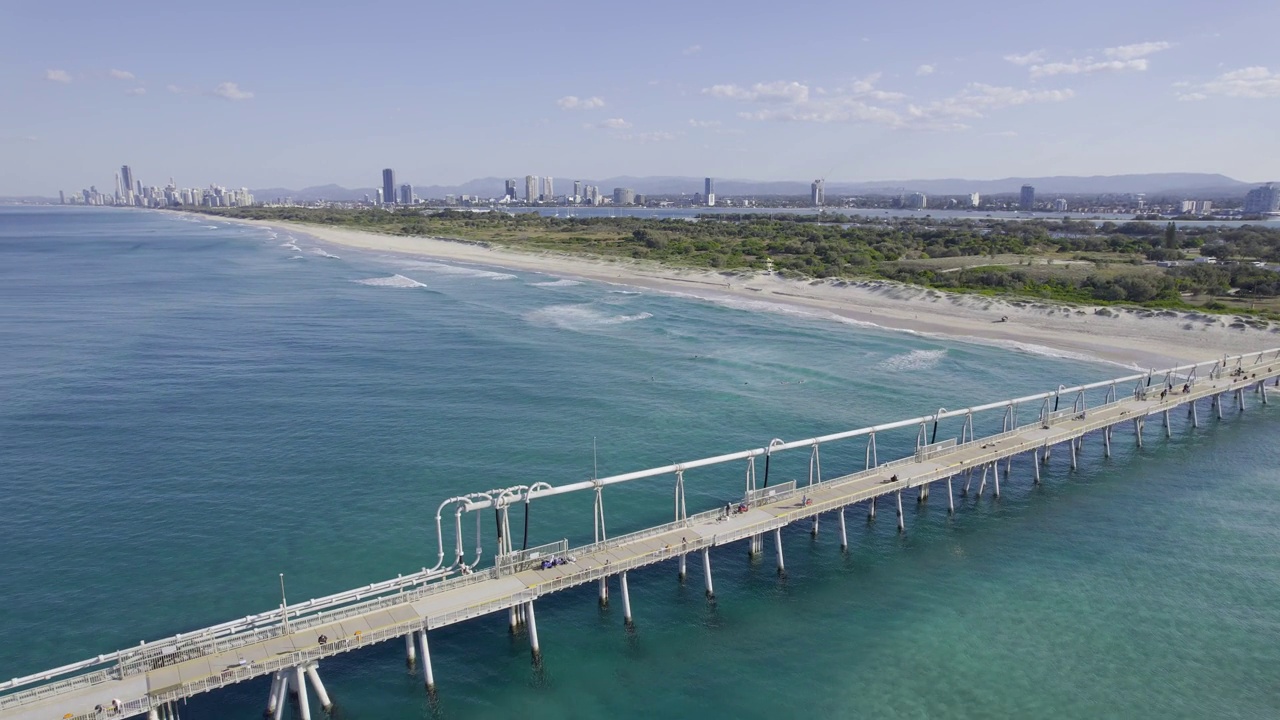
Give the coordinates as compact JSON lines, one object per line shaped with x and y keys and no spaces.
{"x":188,"y":410}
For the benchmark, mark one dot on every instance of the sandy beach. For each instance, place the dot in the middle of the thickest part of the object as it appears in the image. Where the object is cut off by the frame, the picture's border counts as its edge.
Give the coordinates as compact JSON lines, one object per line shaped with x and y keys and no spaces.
{"x":1134,"y":338}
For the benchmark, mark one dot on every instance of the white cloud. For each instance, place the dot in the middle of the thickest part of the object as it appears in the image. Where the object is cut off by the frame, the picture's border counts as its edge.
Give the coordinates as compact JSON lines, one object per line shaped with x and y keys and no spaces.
{"x":1087,"y":66}
{"x":925,"y":70}
{"x":1252,"y":82}
{"x":780,"y":91}
{"x":691,"y":50}
{"x":1137,"y":50}
{"x":1030,"y":58}
{"x":979,"y":98}
{"x":60,"y":76}
{"x":704,"y":123}
{"x":614,"y":124}
{"x":573,"y":102}
{"x":232,"y":91}
{"x":648,"y":137}
{"x":136,"y":91}
{"x":174,"y":89}
{"x":121,"y":74}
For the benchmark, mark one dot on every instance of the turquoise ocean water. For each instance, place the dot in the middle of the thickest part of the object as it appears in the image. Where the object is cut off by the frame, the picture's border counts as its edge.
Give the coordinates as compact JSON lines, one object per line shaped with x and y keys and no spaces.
{"x":188,"y":408}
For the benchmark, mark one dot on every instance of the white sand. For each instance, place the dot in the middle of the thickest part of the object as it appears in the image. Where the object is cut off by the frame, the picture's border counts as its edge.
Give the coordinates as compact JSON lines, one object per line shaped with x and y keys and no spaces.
{"x":1138,"y":338}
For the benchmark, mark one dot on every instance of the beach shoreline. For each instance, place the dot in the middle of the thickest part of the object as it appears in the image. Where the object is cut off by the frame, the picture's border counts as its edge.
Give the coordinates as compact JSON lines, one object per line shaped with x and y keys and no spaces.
{"x":1135,"y":338}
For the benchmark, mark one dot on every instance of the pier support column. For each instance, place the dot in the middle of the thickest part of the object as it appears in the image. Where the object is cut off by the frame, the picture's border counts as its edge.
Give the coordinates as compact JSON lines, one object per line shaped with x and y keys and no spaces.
{"x":1106,"y":441}
{"x":1137,"y":430}
{"x":968,"y":480}
{"x":684,"y":570}
{"x":844,"y":537}
{"x":277,"y":711}
{"x":995,"y":475}
{"x":428,"y":675}
{"x":604,"y":592}
{"x":1168,"y":429}
{"x":534,"y":648}
{"x":814,"y":532}
{"x":277,"y":679}
{"x":1074,"y":464}
{"x":1035,"y":466}
{"x":153,"y":714}
{"x":512,"y":622}
{"x":757,"y":545}
{"x":1195,"y":418}
{"x":321,"y":694}
{"x":300,"y":684}
{"x":983,"y":484}
{"x":951,"y":499}
{"x":411,"y":652}
{"x":902,"y":524}
{"x":1047,"y":451}
{"x":777,"y":544}
{"x":1217,"y":404}
{"x":626,"y":600}
{"x":1262,"y":389}
{"x":706,"y":571}
{"x":923,"y":493}
{"x":871,"y":510}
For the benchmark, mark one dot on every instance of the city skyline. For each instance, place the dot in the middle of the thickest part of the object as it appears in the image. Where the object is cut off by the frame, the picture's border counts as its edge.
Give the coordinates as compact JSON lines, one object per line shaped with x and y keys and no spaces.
{"x":1101,"y":90}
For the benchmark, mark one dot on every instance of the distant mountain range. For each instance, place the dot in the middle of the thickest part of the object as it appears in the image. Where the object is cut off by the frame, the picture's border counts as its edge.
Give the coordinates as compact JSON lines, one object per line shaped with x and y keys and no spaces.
{"x":1199,"y":185}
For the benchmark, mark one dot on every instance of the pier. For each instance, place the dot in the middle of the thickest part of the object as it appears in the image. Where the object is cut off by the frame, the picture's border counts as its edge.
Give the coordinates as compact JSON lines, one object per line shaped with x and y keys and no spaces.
{"x":969,"y":451}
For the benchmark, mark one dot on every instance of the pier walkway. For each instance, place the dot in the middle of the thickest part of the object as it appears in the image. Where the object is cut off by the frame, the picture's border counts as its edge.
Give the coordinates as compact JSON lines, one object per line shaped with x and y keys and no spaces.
{"x":150,"y":678}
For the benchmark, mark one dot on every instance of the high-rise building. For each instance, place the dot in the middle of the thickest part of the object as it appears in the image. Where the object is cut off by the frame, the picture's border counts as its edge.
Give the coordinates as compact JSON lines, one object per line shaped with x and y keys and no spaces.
{"x":381,"y":198}
{"x":577,"y":190}
{"x":62,"y":197}
{"x":530,"y":188}
{"x":974,"y":199}
{"x":1204,"y":207}
{"x":126,"y":180}
{"x":817,"y":193}
{"x":918,"y":201}
{"x":1264,"y":199}
{"x":1027,"y":199}
{"x":624,"y":196}
{"x":1060,"y":205}
{"x":406,"y":194}
{"x":709,"y":186}
{"x":548,"y":190}
{"x":510,"y":192}
{"x":389,"y":186}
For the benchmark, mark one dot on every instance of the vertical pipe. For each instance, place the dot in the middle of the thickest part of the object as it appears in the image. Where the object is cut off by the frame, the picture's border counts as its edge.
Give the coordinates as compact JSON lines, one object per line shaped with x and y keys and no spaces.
{"x":815,"y":526}
{"x":512,"y":622}
{"x":153,"y":714}
{"x":1168,"y":430}
{"x":1035,"y":465}
{"x":1106,"y":441}
{"x":777,"y":544}
{"x":318,"y":686}
{"x":304,"y":705}
{"x":428,"y":674}
{"x":1195,"y":418}
{"x":1047,"y":451}
{"x":1262,"y":388}
{"x":684,"y":571}
{"x":995,"y":474}
{"x":533,"y":631}
{"x":604,"y":591}
{"x":844,"y":537}
{"x":1217,"y":403}
{"x":968,"y":480}
{"x":871,"y":510}
{"x":951,"y":498}
{"x":1137,"y":430}
{"x":706,"y":571}
{"x":902,"y":525}
{"x":626,"y":599}
{"x":1072,"y":443}
{"x":411,"y":653}
{"x":986,"y":468}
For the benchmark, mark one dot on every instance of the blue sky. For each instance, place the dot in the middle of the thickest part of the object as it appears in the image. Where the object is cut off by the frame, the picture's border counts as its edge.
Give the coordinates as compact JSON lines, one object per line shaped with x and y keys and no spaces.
{"x":293,"y":94}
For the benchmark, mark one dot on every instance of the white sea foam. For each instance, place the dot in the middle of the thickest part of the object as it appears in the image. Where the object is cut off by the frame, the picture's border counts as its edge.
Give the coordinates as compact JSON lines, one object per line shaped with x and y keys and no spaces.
{"x":395,"y":281}
{"x":324,"y":254}
{"x":624,"y":292}
{"x":211,"y":227}
{"x":913,"y":361}
{"x":456,"y":270}
{"x":556,"y":283}
{"x":290,"y":244}
{"x":579,"y":317}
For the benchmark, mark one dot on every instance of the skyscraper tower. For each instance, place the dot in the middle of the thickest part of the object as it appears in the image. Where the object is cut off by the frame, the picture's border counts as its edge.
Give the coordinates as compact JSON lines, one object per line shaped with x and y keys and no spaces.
{"x":817,"y":193}
{"x":709,"y":185}
{"x":577,"y":190}
{"x":389,"y":186}
{"x":511,"y":190}
{"x":126,"y":180}
{"x":530,"y":188}
{"x":1027,"y":199}
{"x":548,"y":191}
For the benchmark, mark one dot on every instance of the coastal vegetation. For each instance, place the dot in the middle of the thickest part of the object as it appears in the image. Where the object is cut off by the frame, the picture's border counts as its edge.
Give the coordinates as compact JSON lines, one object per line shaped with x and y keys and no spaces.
{"x":1080,"y":261}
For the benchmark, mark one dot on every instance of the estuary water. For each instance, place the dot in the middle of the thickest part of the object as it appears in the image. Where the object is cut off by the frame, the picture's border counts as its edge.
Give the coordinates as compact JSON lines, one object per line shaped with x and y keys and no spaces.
{"x":188,"y":408}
